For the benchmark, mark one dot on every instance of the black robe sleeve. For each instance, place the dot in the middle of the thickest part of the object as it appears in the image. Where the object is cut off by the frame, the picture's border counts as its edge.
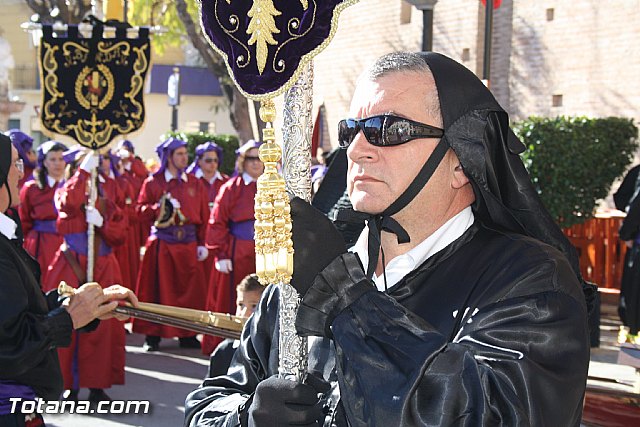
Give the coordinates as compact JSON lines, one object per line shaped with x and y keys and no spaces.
{"x":29,"y":333}
{"x":623,"y":195}
{"x":520,"y":360}
{"x":219,"y":401}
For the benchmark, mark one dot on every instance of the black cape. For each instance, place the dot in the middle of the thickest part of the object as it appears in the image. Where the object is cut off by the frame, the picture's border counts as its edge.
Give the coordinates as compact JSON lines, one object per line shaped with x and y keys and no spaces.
{"x":518,"y":356}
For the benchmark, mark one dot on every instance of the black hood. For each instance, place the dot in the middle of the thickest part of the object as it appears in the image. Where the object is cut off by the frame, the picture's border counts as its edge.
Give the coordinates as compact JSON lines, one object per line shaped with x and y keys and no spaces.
{"x":477,"y":129}
{"x":5,"y":158}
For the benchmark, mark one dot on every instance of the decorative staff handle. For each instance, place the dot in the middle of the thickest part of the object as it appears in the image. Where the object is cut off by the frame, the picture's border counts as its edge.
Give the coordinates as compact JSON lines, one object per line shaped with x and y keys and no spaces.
{"x":296,"y":163}
{"x":206,"y":322}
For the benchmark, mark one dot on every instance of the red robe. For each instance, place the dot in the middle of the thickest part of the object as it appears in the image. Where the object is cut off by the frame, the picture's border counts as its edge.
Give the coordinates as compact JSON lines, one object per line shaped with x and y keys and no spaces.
{"x":234,"y":204}
{"x":170,"y":272}
{"x":128,"y":255}
{"x":136,"y":175}
{"x":97,"y":357}
{"x":212,"y":191}
{"x":38,"y":210}
{"x":26,"y":177}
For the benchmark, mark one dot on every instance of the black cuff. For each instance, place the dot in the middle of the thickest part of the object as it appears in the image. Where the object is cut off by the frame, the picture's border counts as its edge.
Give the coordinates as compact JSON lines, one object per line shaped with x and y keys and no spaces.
{"x":90,"y":327}
{"x":334,"y":289}
{"x":58,"y":327}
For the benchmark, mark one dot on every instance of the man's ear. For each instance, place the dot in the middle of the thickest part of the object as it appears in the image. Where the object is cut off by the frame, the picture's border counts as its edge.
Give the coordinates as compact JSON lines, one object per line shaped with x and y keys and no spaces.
{"x":459,"y":179}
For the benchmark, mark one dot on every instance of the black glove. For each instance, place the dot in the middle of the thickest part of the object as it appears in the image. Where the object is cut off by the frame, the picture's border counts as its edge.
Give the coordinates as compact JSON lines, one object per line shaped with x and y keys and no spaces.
{"x":316,"y":243}
{"x":280,"y":402}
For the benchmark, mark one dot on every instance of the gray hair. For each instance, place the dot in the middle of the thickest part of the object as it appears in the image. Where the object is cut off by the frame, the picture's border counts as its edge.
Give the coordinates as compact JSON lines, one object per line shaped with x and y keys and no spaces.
{"x":397,"y":62}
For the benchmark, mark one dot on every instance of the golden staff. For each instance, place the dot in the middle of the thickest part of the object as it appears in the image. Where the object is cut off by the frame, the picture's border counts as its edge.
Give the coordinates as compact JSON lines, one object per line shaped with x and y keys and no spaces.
{"x":205,"y":322}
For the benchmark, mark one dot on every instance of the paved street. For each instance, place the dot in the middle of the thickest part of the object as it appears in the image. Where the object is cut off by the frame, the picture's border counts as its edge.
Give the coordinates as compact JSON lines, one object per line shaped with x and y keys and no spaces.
{"x":164,"y":378}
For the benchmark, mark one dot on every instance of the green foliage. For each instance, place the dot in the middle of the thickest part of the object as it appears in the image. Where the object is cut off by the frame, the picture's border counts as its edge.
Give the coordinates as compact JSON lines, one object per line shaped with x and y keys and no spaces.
{"x":163,"y":13}
{"x":573,"y":161}
{"x":229,"y":144}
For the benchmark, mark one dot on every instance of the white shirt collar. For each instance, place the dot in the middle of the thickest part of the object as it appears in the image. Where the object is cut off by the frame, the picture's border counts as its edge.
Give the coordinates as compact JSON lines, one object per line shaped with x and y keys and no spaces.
{"x":8,"y":226}
{"x":51,"y":181}
{"x":168,"y":176}
{"x":127,"y":166}
{"x":217,"y":175}
{"x":247,"y":178}
{"x":403,"y":264}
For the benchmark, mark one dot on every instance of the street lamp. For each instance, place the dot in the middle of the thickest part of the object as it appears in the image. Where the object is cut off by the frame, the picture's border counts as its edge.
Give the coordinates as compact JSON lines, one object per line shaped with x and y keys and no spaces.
{"x":173,"y":92}
{"x":426,"y":6}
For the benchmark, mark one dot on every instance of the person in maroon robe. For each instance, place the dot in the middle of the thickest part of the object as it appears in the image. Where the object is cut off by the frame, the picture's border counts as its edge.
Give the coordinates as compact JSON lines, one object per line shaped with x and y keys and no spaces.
{"x":95,"y":361}
{"x":230,"y":235}
{"x":172,"y":272}
{"x":205,"y":167}
{"x":24,"y":145}
{"x":135,"y":172}
{"x":127,"y":254}
{"x":37,"y":211}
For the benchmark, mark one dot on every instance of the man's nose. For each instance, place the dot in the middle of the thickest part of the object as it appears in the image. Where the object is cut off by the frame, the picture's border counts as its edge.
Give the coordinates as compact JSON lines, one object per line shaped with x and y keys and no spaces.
{"x":360,"y":148}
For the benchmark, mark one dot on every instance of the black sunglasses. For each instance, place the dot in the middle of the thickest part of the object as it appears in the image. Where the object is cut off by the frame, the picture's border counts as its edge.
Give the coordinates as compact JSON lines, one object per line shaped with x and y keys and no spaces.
{"x":385,"y":130}
{"x":210,"y":160}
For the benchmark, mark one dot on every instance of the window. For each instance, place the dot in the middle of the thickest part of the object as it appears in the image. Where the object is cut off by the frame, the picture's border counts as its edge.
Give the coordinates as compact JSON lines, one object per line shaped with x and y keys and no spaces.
{"x":550,"y":14}
{"x":405,"y":13}
{"x":556,"y":101}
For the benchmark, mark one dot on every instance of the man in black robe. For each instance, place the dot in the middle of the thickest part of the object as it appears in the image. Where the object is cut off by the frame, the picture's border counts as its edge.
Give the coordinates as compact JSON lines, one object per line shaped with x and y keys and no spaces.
{"x":627,"y":200}
{"x":460,"y":304}
{"x":33,"y":325}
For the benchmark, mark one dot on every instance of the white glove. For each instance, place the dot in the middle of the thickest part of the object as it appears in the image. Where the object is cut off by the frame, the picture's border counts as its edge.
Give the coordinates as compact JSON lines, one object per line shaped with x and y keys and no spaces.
{"x":224,"y":266}
{"x":89,"y":163}
{"x":175,"y":203}
{"x":203,"y":253}
{"x":94,"y":217}
{"x":124,"y":153}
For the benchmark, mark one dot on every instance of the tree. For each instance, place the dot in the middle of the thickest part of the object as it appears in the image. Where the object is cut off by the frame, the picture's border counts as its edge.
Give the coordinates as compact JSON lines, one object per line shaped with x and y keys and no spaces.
{"x":67,"y":11}
{"x":180,"y":17}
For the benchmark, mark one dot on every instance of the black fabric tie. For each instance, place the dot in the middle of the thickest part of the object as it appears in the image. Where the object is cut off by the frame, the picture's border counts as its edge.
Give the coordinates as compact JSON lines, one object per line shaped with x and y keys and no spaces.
{"x":383,"y":221}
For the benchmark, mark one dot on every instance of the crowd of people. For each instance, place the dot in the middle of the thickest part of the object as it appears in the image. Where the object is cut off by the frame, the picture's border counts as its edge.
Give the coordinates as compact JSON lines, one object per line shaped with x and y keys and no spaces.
{"x":180,"y":235}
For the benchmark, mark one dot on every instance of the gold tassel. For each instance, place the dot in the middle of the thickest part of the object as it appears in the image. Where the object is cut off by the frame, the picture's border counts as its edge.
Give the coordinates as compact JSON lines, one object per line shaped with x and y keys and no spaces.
{"x":274,"y":248}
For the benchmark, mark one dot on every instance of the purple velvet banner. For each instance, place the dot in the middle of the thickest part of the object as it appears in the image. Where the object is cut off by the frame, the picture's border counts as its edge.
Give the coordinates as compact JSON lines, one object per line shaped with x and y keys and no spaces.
{"x":265,"y":42}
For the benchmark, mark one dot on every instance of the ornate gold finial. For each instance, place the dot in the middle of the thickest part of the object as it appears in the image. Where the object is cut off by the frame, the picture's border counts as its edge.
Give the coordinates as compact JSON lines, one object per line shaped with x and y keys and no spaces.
{"x":274,"y":248}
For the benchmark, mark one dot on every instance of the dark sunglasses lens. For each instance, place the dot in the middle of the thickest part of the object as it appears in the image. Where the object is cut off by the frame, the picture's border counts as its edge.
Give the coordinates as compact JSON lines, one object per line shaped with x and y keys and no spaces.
{"x":373,"y":130}
{"x":397,"y":131}
{"x":210,"y":160}
{"x":347,"y":131}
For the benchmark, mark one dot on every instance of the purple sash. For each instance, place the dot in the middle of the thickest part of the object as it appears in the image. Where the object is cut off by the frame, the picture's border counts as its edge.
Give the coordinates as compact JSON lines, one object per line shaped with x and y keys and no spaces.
{"x":243,"y":230}
{"x":45,"y":226}
{"x":10,"y":389}
{"x":78,"y":243}
{"x":176,"y":233}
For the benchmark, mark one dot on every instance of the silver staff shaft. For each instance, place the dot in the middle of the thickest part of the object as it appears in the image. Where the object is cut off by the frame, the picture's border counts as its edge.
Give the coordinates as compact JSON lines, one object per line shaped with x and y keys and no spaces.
{"x":297,"y":130}
{"x":91,"y":231}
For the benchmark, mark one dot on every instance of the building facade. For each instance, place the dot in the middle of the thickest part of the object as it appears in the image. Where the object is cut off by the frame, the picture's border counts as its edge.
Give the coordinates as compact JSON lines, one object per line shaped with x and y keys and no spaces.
{"x":548,"y":58}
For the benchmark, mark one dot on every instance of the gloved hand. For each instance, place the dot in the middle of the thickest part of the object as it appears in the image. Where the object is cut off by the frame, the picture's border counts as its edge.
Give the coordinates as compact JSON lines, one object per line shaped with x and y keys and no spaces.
{"x":93,"y":216}
{"x":175,"y":203}
{"x":203,"y":253}
{"x":89,"y":163}
{"x":316,"y":243}
{"x":124,"y":153}
{"x":224,"y":266}
{"x":278,"y":402}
